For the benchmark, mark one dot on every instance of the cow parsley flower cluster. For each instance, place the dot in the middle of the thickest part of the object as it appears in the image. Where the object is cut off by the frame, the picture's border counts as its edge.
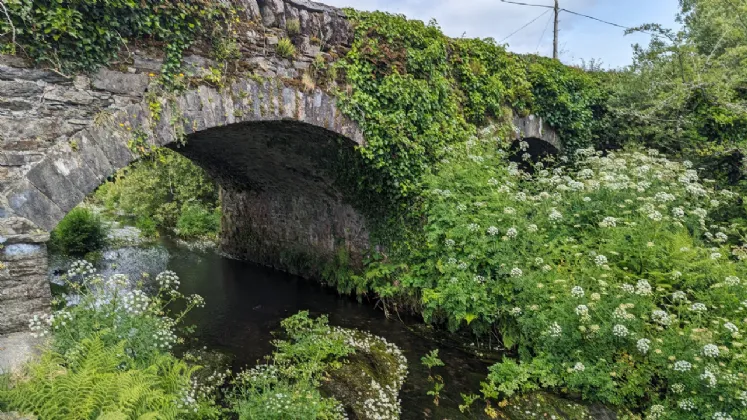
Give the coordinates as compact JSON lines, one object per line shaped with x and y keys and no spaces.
{"x":682,"y":366}
{"x":643,"y":345}
{"x":711,"y":350}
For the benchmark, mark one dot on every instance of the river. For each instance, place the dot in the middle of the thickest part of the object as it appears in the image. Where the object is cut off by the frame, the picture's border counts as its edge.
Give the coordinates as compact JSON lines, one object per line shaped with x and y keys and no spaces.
{"x":245,"y":303}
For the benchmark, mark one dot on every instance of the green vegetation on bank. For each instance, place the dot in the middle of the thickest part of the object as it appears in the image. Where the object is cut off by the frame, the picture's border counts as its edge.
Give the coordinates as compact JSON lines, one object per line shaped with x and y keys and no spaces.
{"x":165,"y":191}
{"x":79,"y":233}
{"x":110,"y":355}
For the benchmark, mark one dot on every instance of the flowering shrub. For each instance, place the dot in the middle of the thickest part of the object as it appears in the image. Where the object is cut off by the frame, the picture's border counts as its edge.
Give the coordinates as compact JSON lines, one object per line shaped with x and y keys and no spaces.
{"x":114,"y":311}
{"x":110,"y":355}
{"x":610,"y":277}
{"x":314,"y":360}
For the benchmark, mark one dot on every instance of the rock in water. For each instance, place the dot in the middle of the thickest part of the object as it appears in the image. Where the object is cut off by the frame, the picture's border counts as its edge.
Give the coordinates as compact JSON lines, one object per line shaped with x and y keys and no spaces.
{"x":368,"y":382}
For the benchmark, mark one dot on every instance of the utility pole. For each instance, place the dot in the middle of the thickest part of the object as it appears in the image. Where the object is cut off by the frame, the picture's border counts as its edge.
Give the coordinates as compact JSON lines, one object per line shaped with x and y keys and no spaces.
{"x":555,"y":38}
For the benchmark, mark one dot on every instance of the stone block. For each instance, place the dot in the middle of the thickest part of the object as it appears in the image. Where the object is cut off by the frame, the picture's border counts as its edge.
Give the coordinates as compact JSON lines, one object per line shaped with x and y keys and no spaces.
{"x":121,"y":83}
{"x":27,"y":201}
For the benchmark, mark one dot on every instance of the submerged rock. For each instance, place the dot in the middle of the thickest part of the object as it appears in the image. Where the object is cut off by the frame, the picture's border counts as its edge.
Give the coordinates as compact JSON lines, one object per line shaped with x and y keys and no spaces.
{"x":368,"y":382}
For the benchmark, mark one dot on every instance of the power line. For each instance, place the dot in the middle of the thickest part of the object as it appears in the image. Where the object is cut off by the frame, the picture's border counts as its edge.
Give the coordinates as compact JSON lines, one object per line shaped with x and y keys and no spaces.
{"x":557,"y":12}
{"x":528,"y":4}
{"x":593,"y":18}
{"x":547,"y":25}
{"x":529,"y":23}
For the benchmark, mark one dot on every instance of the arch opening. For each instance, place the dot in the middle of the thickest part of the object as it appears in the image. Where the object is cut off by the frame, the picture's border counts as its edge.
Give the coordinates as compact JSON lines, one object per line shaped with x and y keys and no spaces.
{"x":532,"y":150}
{"x":283,"y":204}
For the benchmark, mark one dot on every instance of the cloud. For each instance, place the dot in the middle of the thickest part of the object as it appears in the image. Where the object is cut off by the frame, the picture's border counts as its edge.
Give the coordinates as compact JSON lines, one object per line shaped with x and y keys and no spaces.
{"x":580,"y":38}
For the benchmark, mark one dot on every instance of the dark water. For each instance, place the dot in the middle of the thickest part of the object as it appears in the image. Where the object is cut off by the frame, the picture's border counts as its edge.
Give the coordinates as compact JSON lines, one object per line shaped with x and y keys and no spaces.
{"x":246,"y":302}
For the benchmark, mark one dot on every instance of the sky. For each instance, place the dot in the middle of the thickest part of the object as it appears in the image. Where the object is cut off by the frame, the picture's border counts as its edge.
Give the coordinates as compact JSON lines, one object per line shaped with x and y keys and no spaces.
{"x":580,"y":38}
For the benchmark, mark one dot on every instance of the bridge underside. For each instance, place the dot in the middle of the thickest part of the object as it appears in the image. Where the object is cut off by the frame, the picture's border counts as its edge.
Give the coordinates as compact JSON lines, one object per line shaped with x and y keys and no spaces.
{"x":280,"y":202}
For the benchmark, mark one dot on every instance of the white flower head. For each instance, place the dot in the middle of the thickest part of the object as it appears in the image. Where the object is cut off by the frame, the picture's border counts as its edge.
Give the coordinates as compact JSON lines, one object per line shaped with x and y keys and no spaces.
{"x":661,"y":317}
{"x":555,"y":330}
{"x":643,"y":345}
{"x":682,"y":366}
{"x":732,"y":281}
{"x":711,"y":350}
{"x":643,"y":288}
{"x":620,"y":330}
{"x":600,"y":260}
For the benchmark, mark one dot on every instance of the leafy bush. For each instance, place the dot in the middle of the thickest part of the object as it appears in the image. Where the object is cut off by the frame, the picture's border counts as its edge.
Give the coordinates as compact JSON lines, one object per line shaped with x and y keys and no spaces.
{"x":110,"y":355}
{"x":610,"y":278}
{"x":196,"y":221}
{"x":288,"y":386}
{"x":285,"y":48}
{"x":79,"y":233}
{"x":147,"y":226}
{"x":160,"y":189}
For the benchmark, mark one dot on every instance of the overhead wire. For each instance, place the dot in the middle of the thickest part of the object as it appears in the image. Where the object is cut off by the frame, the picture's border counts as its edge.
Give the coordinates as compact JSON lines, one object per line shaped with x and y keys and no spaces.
{"x":575,"y":13}
{"x":528,"y":23}
{"x":528,"y":4}
{"x":547,"y":25}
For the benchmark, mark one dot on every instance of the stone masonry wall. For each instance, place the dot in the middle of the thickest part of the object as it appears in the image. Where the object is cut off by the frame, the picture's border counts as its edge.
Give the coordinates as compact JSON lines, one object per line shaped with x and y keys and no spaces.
{"x":24,"y":290}
{"x":293,"y":233}
{"x":61,"y":137}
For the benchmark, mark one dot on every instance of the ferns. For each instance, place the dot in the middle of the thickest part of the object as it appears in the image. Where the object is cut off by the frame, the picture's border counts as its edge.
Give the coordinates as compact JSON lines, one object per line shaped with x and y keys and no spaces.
{"x":94,"y":382}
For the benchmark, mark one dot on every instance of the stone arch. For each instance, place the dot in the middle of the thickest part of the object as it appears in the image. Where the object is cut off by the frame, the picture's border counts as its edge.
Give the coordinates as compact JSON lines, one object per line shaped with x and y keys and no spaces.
{"x":271,"y":147}
{"x":71,"y":170}
{"x":536,"y":129}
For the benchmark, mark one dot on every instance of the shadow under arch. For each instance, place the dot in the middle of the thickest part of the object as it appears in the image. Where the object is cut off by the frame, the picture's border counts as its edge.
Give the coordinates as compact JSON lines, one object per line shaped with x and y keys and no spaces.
{"x":284,"y":200}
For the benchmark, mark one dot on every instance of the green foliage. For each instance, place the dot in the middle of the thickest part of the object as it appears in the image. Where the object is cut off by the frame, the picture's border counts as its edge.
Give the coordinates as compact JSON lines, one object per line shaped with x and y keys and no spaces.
{"x":91,"y":383}
{"x":293,"y":26}
{"x":431,"y":360}
{"x":285,"y":48}
{"x":685,"y":92}
{"x":166,"y":189}
{"x":288,"y":386}
{"x":340,"y":274}
{"x":79,"y":233}
{"x":147,"y":226}
{"x":109,"y":356}
{"x":569,"y":99}
{"x":415,"y":92}
{"x":196,"y":221}
{"x":110,"y":309}
{"x":82,"y":35}
{"x":612,"y":278}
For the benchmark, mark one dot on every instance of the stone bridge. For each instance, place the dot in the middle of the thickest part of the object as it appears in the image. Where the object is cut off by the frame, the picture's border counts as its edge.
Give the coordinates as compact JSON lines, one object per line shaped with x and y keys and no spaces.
{"x":274,"y":147}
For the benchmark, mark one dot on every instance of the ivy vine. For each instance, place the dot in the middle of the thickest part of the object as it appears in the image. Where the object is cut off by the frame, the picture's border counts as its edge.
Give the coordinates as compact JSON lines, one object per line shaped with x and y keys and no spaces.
{"x":414,"y":91}
{"x":73,"y":36}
